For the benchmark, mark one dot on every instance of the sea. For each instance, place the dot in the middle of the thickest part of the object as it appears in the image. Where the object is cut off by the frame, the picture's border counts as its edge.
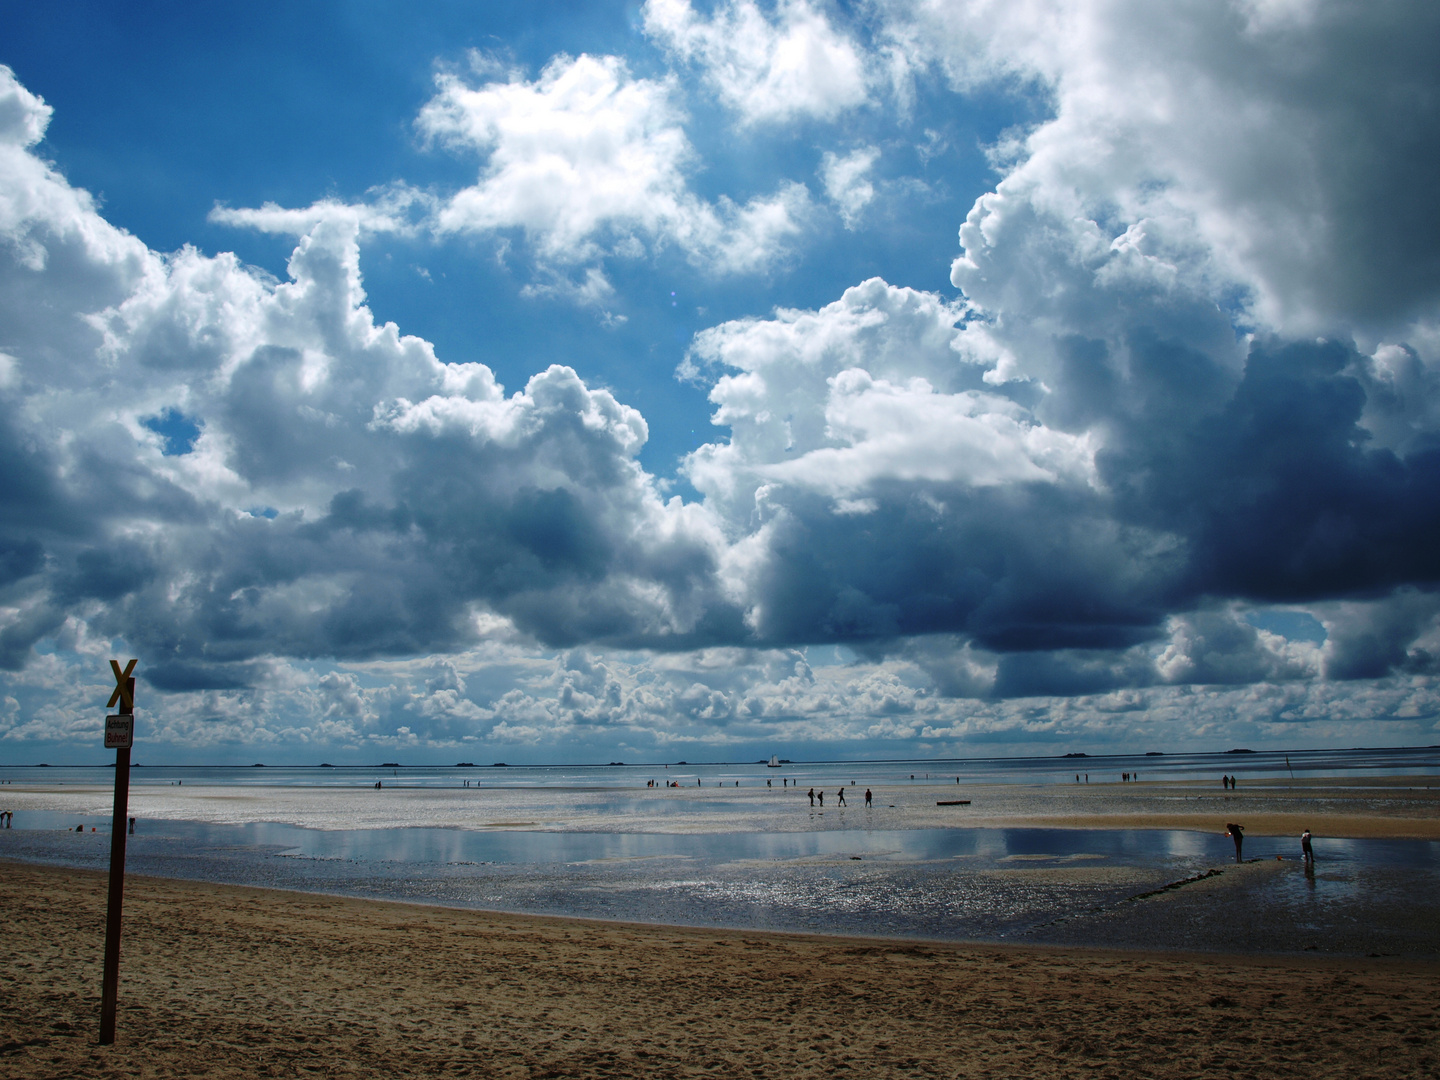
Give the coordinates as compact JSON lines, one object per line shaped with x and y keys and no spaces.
{"x":743,"y":845}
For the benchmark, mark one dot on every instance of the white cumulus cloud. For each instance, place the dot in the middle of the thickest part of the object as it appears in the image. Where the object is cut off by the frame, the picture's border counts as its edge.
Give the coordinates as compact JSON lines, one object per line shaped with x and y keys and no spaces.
{"x":589,"y":161}
{"x":769,"y":70}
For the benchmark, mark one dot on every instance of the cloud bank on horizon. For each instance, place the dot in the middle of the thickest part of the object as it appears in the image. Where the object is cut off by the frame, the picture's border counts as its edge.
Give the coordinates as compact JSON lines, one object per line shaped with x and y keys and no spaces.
{"x":1160,"y":461}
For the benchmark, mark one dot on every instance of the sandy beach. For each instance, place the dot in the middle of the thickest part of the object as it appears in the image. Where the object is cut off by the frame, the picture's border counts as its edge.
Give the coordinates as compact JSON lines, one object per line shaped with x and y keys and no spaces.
{"x":223,"y":981}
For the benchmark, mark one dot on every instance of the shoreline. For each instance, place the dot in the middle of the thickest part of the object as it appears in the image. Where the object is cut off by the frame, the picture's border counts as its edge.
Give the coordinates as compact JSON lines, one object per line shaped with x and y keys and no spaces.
{"x":1394,"y":807}
{"x":231,"y":981}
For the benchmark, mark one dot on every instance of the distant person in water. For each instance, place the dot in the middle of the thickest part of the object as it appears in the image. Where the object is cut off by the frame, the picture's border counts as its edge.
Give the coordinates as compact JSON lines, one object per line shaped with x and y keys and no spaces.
{"x":1305,"y":848}
{"x":1236,"y":833}
{"x":811,"y":793}
{"x":867,"y":797}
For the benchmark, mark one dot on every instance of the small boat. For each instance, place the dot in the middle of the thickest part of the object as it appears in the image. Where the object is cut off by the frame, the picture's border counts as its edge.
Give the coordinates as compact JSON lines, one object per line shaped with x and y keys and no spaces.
{"x":774,"y":762}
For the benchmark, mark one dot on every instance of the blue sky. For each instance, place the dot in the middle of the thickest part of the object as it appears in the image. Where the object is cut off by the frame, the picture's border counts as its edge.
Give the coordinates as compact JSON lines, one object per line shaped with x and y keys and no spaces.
{"x":676,"y":380}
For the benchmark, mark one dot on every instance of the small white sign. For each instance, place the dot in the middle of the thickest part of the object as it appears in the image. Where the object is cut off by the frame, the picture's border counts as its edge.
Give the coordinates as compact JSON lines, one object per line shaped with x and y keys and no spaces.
{"x":119,"y":732}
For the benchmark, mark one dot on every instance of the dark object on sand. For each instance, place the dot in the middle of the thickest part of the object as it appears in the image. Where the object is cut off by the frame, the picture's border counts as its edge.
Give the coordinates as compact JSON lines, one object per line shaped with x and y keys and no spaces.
{"x":953,"y":802}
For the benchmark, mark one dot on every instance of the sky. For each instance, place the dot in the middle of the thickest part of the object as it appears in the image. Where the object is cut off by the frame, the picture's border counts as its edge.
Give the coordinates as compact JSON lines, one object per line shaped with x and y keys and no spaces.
{"x":570,"y":382}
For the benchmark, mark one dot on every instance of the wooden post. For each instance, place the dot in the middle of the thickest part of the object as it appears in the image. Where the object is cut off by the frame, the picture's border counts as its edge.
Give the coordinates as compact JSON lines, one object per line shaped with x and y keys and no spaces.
{"x":109,"y":993}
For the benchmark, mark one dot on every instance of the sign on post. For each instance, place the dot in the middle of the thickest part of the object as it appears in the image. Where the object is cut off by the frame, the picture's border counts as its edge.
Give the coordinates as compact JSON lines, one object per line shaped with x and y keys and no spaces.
{"x":119,"y":735}
{"x":119,"y":732}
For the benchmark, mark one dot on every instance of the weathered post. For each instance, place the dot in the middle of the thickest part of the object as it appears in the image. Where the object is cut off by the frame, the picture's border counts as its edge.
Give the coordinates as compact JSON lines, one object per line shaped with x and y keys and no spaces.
{"x":120,"y":734}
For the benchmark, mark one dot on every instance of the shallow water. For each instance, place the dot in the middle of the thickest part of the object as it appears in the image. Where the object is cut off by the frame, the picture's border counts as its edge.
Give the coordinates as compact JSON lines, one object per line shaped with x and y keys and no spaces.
{"x":597,"y":842}
{"x":947,"y":884}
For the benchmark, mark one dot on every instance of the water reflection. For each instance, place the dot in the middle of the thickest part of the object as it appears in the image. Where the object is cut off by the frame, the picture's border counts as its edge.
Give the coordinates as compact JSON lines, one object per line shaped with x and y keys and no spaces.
{"x":988,"y":847}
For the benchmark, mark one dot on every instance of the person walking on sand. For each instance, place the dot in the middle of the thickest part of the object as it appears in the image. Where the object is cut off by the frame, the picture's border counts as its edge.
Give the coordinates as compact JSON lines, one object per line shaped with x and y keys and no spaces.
{"x":811,"y":793}
{"x":1306,"y":849}
{"x":867,"y":798}
{"x":841,"y":793}
{"x":821,"y":794}
{"x":1236,"y":833}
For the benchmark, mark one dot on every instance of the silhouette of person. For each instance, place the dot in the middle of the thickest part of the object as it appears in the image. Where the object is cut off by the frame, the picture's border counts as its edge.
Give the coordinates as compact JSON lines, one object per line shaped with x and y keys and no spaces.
{"x":841,"y":793}
{"x":1236,"y":833}
{"x":867,"y":796}
{"x":1305,"y":847}
{"x":811,"y":793}
{"x":821,"y":794}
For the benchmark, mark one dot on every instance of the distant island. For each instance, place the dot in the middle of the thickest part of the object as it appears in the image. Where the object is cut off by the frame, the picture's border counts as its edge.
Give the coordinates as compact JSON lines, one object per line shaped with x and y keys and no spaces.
{"x":1154,"y":753}
{"x":1239,"y":751}
{"x":682,"y":763}
{"x":464,"y":764}
{"x":1076,"y":755}
{"x":258,"y":765}
{"x":389,"y":764}
{"x":499,"y":765}
{"x":326,"y":765}
{"x":617,"y":763}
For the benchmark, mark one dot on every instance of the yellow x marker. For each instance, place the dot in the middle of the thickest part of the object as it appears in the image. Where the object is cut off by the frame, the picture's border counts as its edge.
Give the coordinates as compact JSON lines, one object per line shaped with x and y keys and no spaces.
{"x":122,"y":686}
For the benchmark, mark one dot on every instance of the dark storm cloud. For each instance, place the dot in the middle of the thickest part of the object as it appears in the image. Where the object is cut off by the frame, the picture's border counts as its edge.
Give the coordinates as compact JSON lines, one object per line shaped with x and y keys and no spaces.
{"x":1278,"y":492}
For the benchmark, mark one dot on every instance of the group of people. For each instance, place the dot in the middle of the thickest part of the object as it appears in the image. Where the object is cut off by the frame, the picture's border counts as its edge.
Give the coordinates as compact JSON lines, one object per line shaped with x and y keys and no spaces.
{"x":839,"y":795}
{"x":1228,"y":782}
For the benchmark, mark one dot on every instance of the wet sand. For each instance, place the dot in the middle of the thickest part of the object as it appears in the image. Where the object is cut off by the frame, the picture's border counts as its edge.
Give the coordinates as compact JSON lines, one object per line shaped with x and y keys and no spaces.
{"x":222,"y":981}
